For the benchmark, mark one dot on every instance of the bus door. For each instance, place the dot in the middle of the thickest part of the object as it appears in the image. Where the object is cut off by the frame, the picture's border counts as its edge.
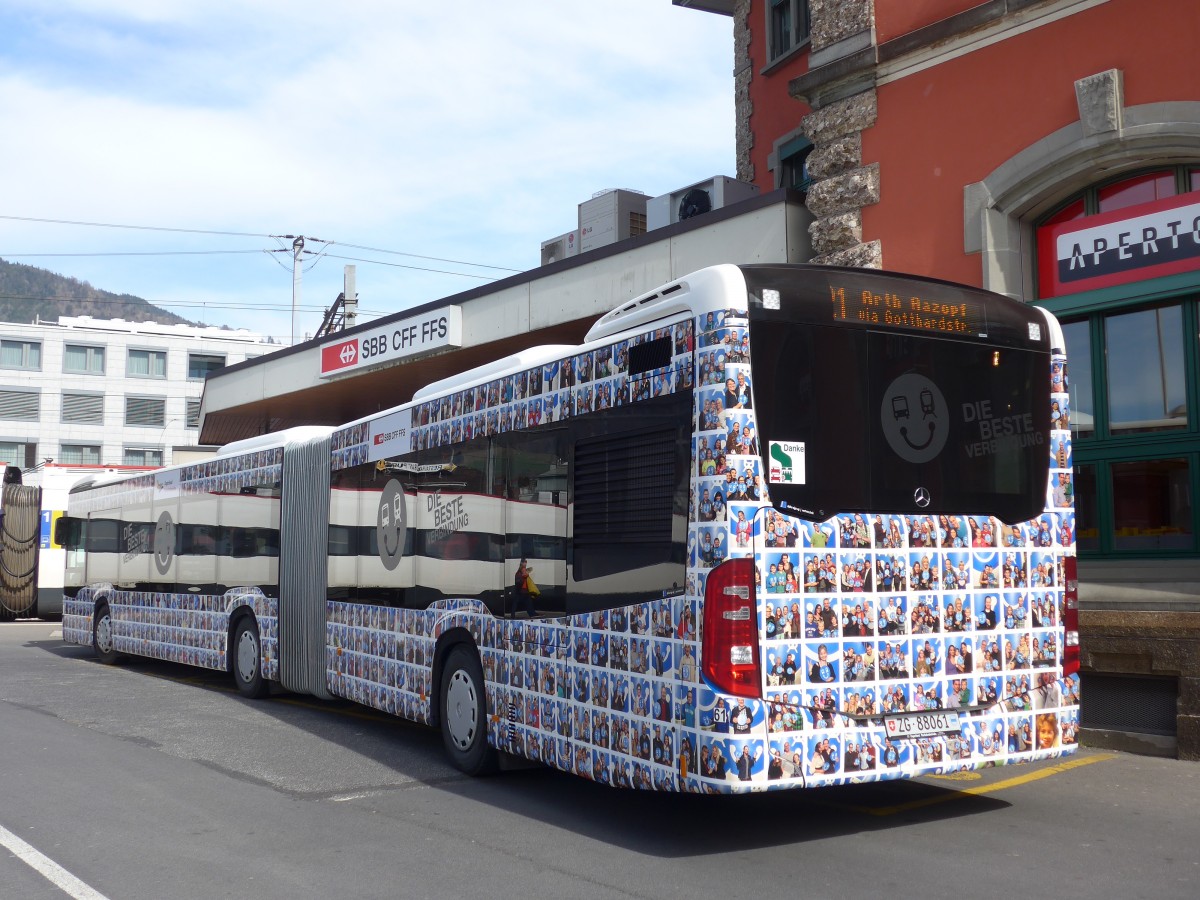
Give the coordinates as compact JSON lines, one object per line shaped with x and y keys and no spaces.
{"x":459,"y":525}
{"x":535,"y":471}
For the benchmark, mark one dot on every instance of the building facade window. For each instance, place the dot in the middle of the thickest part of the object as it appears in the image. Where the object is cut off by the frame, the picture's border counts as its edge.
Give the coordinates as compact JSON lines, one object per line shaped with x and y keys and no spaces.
{"x":146,"y":363}
{"x":793,"y":165}
{"x":19,"y":354}
{"x":149,"y":412}
{"x":789,"y":24}
{"x":20,"y":406}
{"x":192,"y":418}
{"x":1134,"y":382}
{"x":83,"y":409}
{"x":81,"y":359}
{"x":142,"y":456}
{"x":79,"y":454}
{"x":201,"y":364}
{"x":22,"y":454}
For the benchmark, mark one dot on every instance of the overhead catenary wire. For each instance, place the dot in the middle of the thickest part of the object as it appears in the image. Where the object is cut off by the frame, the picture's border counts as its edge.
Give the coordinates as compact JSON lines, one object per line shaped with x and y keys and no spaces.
{"x":380,"y":262}
{"x":312,"y":257}
{"x":455,"y":262}
{"x":5,"y":255}
{"x":316,"y":258}
{"x":276,"y":237}
{"x":133,"y":227}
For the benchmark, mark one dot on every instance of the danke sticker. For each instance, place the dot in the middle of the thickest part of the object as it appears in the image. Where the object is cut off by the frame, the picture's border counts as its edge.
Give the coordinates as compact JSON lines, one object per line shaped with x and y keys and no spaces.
{"x":787,"y":462}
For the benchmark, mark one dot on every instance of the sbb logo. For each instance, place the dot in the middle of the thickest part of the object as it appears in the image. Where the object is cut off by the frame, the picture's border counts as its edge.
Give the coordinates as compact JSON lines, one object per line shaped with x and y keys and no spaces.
{"x":374,"y":346}
{"x":339,"y":356}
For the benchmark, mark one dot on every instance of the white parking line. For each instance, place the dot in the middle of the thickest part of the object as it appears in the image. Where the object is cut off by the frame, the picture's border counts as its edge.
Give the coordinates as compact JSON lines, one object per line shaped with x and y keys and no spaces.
{"x":47,"y":868}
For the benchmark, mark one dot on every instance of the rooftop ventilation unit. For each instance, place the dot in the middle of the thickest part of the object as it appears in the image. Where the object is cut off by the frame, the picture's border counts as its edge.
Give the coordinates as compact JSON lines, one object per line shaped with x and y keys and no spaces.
{"x":559,"y":248}
{"x":611,"y":216}
{"x":696,"y":200}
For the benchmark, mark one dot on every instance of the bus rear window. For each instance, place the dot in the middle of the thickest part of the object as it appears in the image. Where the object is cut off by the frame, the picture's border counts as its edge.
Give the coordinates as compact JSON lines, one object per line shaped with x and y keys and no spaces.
{"x":852,"y":419}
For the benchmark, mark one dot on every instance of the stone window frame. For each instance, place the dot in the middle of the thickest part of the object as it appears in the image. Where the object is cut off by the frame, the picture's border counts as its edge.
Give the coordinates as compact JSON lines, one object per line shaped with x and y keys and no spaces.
{"x":1000,"y":212}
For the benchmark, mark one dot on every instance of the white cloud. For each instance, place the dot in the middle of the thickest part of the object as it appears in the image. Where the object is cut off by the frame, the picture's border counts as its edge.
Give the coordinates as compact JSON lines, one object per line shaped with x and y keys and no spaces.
{"x":467,"y":132}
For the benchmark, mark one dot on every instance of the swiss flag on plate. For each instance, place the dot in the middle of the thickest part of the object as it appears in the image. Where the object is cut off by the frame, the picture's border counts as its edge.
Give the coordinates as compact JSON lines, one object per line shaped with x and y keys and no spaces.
{"x":341,"y":355}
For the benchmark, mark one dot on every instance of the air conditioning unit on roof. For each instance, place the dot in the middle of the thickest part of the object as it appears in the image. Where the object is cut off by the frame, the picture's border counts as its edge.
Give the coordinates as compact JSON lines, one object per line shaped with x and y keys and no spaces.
{"x":611,"y":216}
{"x":696,"y":200}
{"x":562,"y":247}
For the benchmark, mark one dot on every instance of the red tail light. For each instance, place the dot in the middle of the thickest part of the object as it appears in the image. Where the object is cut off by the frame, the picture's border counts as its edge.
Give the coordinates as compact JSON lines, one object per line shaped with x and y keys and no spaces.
{"x":1070,"y":618}
{"x":730,"y":644}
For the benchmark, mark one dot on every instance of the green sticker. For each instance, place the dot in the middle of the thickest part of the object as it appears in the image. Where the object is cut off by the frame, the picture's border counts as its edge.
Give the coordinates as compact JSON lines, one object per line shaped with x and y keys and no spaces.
{"x":787,"y":462}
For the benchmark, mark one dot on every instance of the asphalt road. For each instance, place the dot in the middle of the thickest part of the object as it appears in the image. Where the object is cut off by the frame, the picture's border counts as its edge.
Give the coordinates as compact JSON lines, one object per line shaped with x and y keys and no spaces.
{"x":149,"y":780}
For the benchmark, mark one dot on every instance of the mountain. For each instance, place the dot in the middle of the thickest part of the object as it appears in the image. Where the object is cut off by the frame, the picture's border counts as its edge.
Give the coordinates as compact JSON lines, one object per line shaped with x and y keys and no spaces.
{"x":28,"y":293}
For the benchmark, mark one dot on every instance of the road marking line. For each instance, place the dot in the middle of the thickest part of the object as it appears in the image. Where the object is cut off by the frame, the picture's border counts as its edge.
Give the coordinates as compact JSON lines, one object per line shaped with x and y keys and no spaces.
{"x":47,"y":868}
{"x":985,"y":788}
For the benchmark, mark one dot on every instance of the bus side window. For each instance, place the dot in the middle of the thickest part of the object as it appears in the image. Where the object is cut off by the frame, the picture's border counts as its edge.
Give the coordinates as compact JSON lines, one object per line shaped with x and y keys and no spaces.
{"x":68,"y":532}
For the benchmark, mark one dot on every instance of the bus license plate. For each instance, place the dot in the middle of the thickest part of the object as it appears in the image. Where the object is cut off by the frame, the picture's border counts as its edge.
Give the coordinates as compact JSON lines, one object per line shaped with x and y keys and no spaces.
{"x":921,"y":724}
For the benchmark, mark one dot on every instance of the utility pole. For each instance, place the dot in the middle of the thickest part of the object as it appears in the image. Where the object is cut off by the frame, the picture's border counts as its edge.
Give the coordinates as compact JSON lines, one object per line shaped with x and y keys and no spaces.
{"x":350,"y":293}
{"x":297,"y":249}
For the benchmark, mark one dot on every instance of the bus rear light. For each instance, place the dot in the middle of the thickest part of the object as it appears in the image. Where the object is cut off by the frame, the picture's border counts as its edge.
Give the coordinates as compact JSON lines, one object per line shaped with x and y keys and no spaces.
{"x":1070,"y":618}
{"x":730,"y":644}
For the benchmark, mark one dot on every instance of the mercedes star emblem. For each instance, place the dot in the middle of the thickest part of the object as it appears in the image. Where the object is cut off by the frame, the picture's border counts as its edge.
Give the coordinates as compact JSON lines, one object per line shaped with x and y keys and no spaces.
{"x":921,"y":497}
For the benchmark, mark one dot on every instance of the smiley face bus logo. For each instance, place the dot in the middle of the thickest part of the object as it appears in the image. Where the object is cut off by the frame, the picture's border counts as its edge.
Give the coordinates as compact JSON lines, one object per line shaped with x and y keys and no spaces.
{"x":391,"y":525}
{"x":915,"y":418}
{"x":164,"y":543}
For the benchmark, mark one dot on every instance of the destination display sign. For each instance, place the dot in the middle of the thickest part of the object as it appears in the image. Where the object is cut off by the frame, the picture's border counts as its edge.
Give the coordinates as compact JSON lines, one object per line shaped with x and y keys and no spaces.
{"x":890,"y":302}
{"x":894,"y":309}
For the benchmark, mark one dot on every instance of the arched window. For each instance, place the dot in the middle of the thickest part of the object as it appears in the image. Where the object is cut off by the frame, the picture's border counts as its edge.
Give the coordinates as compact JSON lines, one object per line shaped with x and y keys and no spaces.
{"x":1123,"y":276}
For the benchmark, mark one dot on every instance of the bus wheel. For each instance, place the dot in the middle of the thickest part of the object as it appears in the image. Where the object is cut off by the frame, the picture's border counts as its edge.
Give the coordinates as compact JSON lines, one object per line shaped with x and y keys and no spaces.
{"x":102,"y":635}
{"x":247,"y":659}
{"x":464,"y":713}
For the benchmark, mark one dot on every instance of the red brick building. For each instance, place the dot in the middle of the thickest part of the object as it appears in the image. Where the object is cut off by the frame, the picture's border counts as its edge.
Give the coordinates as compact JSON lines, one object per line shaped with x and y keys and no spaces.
{"x":1048,"y":150}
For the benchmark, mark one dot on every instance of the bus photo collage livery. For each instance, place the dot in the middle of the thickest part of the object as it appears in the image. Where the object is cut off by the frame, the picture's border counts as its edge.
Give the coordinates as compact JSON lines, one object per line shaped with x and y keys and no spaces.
{"x":768,"y":527}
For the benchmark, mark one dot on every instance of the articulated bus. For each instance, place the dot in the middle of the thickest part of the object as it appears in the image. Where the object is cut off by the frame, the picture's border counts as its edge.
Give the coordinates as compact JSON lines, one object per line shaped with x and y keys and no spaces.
{"x":789,"y":526}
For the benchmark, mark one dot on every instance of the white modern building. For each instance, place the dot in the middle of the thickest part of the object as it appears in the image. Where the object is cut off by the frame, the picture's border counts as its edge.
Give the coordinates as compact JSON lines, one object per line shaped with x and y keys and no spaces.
{"x":108,"y":392}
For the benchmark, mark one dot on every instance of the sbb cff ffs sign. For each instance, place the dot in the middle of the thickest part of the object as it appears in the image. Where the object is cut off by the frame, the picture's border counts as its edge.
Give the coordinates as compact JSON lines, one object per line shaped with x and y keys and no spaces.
{"x":399,"y":340}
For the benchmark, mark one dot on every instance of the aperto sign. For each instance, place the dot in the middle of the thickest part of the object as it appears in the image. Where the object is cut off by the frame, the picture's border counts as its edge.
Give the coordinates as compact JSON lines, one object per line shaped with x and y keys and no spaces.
{"x":410,"y":337}
{"x":1132,"y":244}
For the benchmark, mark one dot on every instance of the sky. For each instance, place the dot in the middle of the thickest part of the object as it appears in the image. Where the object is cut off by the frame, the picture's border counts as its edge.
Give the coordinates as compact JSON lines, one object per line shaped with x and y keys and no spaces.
{"x":433,"y":145}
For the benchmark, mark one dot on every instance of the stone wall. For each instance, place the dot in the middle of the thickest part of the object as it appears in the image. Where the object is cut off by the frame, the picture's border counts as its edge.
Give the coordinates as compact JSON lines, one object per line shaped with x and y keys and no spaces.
{"x":1147,"y":642}
{"x":842,"y":185}
{"x":743,"y":74}
{"x":836,"y":20}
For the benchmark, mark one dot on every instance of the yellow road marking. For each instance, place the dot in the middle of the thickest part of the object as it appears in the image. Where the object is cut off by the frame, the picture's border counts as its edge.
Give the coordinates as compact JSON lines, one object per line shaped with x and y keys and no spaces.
{"x":984,"y":788}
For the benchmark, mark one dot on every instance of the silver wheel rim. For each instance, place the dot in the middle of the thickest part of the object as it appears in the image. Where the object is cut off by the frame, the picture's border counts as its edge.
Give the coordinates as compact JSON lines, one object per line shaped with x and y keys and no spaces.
{"x":462,"y":710}
{"x":104,"y":641}
{"x":247,"y":656}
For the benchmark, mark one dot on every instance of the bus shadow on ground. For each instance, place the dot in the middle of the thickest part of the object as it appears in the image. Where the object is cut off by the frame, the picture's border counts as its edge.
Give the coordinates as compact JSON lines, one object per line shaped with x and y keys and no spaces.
{"x":686,"y":825}
{"x":659,"y":824}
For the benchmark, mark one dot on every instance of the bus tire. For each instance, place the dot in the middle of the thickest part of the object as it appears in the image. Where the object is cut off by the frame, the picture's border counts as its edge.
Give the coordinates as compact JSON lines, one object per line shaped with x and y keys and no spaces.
{"x":463,"y":713}
{"x":102,"y":635}
{"x":246,"y":663}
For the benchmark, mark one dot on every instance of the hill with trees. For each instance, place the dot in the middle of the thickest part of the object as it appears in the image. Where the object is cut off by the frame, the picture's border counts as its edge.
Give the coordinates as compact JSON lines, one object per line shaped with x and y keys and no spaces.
{"x":28,"y":294}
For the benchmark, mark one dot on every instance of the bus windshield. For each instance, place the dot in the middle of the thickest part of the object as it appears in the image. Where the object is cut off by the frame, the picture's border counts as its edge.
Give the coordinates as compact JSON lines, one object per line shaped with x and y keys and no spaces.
{"x":874,"y":391}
